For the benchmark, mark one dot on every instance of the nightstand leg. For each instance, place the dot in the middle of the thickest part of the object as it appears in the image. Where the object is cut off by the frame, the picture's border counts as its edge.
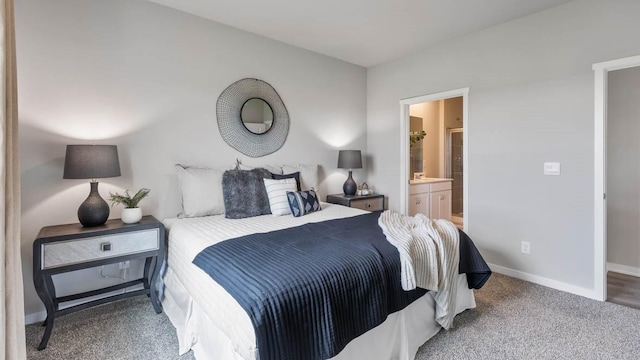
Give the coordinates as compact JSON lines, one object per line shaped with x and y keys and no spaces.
{"x":48,"y":282}
{"x":152,"y":288}
{"x":44,"y":285}
{"x":47,"y":332}
{"x":147,"y":267}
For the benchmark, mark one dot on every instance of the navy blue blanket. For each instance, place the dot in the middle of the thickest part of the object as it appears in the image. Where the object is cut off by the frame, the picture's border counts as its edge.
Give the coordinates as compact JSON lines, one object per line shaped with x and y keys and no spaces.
{"x":311,"y":289}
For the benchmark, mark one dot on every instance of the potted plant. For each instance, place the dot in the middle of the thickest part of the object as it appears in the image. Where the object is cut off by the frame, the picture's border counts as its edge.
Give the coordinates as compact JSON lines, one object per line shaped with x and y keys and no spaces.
{"x":131,"y":213}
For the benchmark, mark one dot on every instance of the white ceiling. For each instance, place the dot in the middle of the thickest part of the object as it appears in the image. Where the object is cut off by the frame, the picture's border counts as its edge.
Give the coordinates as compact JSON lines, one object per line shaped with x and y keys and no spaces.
{"x":363,"y":32}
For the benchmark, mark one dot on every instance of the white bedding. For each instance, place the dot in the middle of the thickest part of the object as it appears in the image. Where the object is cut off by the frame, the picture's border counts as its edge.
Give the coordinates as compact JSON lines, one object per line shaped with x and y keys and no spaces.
{"x":209,"y":321}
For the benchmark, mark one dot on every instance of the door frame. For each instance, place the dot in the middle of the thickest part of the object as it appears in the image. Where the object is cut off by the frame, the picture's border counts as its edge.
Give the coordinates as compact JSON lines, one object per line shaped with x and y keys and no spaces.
{"x":601,"y":71}
{"x":404,"y":145}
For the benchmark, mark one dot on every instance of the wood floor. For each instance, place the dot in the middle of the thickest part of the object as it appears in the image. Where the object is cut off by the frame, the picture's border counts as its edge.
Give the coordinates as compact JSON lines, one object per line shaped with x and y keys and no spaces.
{"x":623,"y":289}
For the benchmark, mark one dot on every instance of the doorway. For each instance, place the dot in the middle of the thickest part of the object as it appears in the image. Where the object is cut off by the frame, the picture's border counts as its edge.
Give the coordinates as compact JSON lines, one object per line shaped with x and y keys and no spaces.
{"x":600,"y":174}
{"x":405,"y":148}
{"x":623,"y":193}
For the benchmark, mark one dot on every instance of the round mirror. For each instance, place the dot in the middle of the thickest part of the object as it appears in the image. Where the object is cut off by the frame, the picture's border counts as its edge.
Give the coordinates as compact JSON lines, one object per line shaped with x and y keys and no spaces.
{"x":257,"y":115}
{"x":236,"y":125}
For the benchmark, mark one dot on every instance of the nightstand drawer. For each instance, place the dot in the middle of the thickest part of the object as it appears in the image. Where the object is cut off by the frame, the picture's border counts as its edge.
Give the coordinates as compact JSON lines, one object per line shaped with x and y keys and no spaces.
{"x":375,"y":204}
{"x":82,"y":250}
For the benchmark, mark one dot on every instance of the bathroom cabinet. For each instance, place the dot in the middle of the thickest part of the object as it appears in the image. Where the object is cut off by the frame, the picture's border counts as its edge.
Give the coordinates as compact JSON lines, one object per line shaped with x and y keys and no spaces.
{"x":419,"y":203}
{"x":431,"y":197}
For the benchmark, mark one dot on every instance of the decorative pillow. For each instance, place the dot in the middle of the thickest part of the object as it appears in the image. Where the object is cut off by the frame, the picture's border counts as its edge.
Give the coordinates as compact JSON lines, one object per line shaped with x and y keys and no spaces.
{"x":201,"y":190}
{"x":244,"y":193}
{"x":308,"y":175}
{"x":303,"y":202}
{"x":277,"y":192}
{"x":295,"y":175}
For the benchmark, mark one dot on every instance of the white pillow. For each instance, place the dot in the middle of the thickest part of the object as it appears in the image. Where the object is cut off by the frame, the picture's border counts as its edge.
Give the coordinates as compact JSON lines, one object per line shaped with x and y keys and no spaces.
{"x":308,"y":175}
{"x":201,"y":191}
{"x":277,"y":192}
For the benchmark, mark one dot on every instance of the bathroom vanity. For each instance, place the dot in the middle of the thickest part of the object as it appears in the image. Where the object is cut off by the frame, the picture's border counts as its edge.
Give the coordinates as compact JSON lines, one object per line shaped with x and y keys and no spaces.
{"x":431,"y":197}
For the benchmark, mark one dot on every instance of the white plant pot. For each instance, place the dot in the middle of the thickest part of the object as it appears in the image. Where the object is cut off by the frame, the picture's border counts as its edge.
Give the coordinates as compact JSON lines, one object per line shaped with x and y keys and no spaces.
{"x":131,"y":215}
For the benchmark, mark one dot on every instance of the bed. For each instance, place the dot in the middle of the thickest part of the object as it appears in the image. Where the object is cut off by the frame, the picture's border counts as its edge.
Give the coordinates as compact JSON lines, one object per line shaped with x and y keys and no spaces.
{"x":209,"y":321}
{"x":243,"y":203}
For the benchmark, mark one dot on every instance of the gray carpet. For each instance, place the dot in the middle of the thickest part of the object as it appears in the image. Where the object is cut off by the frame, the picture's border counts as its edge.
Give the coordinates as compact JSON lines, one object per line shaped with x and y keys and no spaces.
{"x":513,"y":320}
{"x":126,"y":329}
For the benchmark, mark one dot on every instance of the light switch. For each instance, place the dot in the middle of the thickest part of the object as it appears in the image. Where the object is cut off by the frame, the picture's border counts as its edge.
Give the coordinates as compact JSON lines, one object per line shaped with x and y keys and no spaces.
{"x":552,"y":168}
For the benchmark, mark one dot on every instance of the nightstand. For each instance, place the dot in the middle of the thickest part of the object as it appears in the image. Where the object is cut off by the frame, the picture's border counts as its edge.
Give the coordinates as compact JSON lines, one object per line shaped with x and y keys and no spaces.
{"x":373,"y":202}
{"x":63,"y":248}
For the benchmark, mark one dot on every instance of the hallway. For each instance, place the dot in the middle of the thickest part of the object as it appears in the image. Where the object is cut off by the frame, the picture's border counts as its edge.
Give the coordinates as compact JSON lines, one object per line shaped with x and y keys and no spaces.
{"x":623,"y":289}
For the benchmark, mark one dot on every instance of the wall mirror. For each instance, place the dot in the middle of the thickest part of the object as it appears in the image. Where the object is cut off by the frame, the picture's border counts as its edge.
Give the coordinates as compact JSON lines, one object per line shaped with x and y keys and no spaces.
{"x":252,"y":117}
{"x":257,"y":116}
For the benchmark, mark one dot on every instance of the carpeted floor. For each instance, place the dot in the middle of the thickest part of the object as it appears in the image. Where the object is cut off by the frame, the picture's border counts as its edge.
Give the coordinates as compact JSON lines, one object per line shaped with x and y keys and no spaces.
{"x":513,"y":320}
{"x":126,"y":329}
{"x":519,"y":320}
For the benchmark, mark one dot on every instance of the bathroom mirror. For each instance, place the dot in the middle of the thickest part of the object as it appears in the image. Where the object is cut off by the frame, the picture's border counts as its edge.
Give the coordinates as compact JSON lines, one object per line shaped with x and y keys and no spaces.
{"x":257,"y":116}
{"x":252,"y":117}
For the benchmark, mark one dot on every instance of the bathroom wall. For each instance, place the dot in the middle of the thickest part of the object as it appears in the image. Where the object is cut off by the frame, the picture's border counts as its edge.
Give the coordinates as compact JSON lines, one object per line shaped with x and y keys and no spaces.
{"x":431,"y":148}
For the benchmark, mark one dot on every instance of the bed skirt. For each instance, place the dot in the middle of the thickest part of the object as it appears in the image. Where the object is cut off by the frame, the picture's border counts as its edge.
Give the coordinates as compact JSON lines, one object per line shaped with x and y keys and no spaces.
{"x":409,"y":328}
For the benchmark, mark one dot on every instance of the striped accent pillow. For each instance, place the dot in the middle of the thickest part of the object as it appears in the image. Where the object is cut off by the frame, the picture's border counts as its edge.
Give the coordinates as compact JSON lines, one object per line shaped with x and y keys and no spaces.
{"x":277,"y":192}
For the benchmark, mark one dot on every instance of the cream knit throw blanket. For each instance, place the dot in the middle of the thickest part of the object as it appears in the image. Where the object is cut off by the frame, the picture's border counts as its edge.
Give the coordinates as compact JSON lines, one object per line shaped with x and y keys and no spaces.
{"x":429,"y":257}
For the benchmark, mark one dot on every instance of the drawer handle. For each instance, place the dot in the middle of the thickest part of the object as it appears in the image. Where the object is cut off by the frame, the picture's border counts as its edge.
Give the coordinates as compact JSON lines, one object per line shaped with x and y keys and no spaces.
{"x":105,"y":246}
{"x":368,"y":205}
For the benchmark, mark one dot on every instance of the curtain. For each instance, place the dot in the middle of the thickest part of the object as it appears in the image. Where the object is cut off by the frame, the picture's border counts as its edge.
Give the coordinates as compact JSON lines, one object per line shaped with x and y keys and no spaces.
{"x":12,"y":337}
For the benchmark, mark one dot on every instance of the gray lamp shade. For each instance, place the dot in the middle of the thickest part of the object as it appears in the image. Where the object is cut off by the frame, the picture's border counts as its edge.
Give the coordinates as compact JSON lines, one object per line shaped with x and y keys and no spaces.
{"x":349,"y":159}
{"x":91,"y":162}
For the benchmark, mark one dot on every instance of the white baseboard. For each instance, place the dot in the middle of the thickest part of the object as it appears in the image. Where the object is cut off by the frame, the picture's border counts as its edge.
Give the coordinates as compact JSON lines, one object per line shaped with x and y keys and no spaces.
{"x":623,"y":269}
{"x":35,"y":317}
{"x":554,"y":284}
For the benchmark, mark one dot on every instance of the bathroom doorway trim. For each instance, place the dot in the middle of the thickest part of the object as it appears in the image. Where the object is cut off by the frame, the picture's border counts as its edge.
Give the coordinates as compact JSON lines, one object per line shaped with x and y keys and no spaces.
{"x":404,"y":145}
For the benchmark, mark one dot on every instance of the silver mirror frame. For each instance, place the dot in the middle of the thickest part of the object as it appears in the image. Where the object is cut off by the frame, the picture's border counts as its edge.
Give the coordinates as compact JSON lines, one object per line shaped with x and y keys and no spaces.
{"x":232,"y":129}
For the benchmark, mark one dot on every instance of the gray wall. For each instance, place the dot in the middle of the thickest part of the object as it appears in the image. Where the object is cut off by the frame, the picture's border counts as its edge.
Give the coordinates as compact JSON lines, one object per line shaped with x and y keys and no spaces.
{"x":530,"y":101}
{"x":146,"y":77}
{"x":623,"y":168}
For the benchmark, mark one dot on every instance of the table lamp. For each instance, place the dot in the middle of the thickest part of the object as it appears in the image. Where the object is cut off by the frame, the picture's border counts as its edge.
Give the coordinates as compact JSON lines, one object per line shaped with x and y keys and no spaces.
{"x":349,"y":159}
{"x":92,"y":162}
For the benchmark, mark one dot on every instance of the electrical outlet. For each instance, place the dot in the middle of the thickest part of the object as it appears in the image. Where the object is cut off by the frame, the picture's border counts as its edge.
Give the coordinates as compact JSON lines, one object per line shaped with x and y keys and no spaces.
{"x":123,"y":265}
{"x":525,"y":247}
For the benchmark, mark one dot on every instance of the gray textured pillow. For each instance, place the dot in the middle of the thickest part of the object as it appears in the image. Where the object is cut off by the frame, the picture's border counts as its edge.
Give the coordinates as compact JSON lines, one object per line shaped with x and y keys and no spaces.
{"x":244,"y":193}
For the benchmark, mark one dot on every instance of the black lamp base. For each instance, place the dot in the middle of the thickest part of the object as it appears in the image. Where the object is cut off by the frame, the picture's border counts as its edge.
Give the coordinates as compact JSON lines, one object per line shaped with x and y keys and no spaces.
{"x":350,"y":187}
{"x":94,"y":211}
